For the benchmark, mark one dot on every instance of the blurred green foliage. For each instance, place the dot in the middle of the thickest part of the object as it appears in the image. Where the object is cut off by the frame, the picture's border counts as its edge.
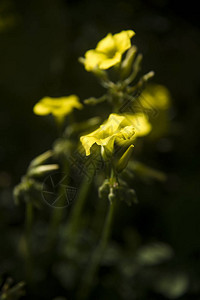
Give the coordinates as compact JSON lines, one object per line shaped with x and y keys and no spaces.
{"x":154,"y":253}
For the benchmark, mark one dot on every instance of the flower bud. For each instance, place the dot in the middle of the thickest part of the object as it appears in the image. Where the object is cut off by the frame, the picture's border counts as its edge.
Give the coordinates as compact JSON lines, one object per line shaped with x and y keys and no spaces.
{"x":123,"y":161}
{"x":41,"y":159}
{"x":42,"y":170}
{"x":126,"y":65}
{"x":106,"y":155}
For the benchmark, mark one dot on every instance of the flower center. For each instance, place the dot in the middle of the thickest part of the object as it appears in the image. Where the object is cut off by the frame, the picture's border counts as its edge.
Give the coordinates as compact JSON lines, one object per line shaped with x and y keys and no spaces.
{"x":110,"y":53}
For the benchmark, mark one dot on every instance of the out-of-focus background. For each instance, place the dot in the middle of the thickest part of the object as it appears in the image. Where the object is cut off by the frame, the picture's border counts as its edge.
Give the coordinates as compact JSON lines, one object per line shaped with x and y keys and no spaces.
{"x":40,"y":43}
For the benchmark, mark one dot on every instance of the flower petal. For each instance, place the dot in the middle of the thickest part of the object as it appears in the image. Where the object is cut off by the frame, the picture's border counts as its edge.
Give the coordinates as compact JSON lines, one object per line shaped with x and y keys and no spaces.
{"x":123,"y":40}
{"x":140,"y":123}
{"x":87,"y":142}
{"x":106,"y":45}
{"x":41,"y":109}
{"x":93,"y":59}
{"x":110,"y":62}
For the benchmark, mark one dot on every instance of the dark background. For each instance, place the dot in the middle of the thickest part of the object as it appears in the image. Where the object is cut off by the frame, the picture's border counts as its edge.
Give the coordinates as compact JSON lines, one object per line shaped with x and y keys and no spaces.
{"x":39,"y":50}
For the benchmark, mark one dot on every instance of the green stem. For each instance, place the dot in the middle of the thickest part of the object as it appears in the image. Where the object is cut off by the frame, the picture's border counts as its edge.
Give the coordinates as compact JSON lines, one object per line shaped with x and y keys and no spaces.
{"x":136,"y":68}
{"x":57,"y":213}
{"x":59,"y":124}
{"x":56,"y":219}
{"x":77,"y":209}
{"x":91,"y":272}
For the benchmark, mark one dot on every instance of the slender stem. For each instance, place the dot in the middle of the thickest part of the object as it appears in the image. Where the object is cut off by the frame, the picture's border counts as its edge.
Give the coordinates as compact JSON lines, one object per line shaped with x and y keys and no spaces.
{"x":74,"y":220}
{"x":92,"y":270}
{"x":57,"y":213}
{"x":56,"y":219}
{"x":136,"y":68}
{"x":59,"y":120}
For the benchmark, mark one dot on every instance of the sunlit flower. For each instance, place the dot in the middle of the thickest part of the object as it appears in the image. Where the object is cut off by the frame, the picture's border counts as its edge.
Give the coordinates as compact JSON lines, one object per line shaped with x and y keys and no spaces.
{"x":155,"y":97}
{"x":108,"y":51}
{"x":140,"y":123}
{"x":58,"y":107}
{"x":110,"y":132}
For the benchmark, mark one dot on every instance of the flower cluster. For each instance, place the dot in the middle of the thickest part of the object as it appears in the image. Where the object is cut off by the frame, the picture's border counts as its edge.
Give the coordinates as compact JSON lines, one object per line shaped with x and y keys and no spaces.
{"x":92,"y":150}
{"x":130,"y":118}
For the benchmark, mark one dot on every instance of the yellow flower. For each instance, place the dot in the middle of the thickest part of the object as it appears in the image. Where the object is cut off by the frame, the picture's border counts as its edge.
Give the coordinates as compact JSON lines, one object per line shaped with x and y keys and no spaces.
{"x":140,"y":123}
{"x":58,"y":107}
{"x":110,"y":132}
{"x":156,"y":100}
{"x":108,"y":51}
{"x":155,"y":97}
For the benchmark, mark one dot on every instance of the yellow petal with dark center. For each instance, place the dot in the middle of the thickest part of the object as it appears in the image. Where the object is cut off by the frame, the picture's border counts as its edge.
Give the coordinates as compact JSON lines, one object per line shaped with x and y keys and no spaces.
{"x":106,"y":45}
{"x":110,"y":62}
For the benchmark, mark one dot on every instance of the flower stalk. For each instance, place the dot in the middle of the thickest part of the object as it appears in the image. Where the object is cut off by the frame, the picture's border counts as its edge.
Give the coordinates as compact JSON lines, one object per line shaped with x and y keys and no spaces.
{"x":75,"y":217}
{"x":92,"y":270}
